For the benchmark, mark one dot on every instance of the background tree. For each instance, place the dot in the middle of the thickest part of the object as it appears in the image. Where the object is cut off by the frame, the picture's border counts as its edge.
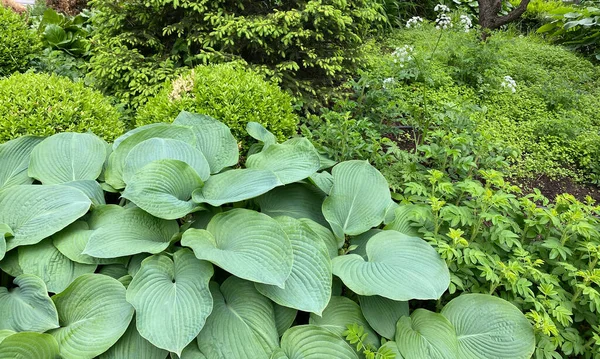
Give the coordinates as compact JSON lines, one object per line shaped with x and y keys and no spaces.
{"x":489,"y":10}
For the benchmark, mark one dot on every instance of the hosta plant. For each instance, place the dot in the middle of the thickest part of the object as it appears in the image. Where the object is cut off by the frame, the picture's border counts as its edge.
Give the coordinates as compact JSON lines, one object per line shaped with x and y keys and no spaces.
{"x":163,"y":244}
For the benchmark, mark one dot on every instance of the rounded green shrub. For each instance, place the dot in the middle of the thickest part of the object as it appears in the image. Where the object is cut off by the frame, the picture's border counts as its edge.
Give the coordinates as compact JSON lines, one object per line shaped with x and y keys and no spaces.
{"x":42,"y":105}
{"x":17,"y":42}
{"x":227,"y":92}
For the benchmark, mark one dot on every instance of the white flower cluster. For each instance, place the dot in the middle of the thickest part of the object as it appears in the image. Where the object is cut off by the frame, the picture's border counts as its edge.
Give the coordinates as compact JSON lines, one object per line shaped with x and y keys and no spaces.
{"x":443,"y":21}
{"x":509,"y":84}
{"x":389,"y":82}
{"x":441,"y":8}
{"x":414,"y":22}
{"x":403,"y":54}
{"x":466,"y":22}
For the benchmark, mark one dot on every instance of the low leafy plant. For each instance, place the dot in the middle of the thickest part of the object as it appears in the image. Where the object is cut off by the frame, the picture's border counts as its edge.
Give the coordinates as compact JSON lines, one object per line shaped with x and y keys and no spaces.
{"x":229,"y":92}
{"x":17,"y":42}
{"x":199,"y":259}
{"x":42,"y":105}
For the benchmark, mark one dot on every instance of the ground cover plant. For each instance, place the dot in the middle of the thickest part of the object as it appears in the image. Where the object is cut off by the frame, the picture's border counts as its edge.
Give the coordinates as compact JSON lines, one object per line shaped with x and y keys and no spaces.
{"x":160,"y":243}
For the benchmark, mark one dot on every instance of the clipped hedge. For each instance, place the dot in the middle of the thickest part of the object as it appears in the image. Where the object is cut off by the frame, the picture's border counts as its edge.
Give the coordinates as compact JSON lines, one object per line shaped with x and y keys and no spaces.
{"x":227,"y":92}
{"x":17,"y":42}
{"x":42,"y":105}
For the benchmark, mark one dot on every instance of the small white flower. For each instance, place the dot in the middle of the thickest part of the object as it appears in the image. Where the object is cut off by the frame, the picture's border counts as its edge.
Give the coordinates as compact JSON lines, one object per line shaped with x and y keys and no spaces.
{"x":403,"y":54}
{"x":443,"y":21}
{"x":414,"y":21}
{"x":389,"y":82}
{"x":509,"y":84}
{"x":441,"y":8}
{"x":466,"y":22}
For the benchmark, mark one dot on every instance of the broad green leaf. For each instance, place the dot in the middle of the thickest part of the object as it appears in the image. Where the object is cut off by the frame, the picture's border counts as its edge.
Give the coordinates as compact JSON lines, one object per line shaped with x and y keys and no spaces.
{"x":331,"y":242}
{"x":129,"y":232}
{"x":164,"y":149}
{"x":323,"y":181}
{"x":236,"y":185}
{"x":46,"y":262}
{"x":359,"y":243}
{"x":401,"y":221}
{"x":28,"y":345}
{"x":426,"y":335}
{"x":260,"y":133}
{"x":489,"y":327}
{"x":308,"y":288}
{"x":67,"y":157}
{"x":340,"y":313}
{"x":164,"y":188}
{"x":93,"y":315}
{"x":382,"y":313}
{"x":36,"y":212}
{"x":4,"y":333}
{"x":14,"y":161}
{"x":115,"y":271}
{"x":392,"y":346}
{"x":92,"y":189}
{"x":397,"y":267}
{"x":5,"y":231}
{"x":27,"y":308}
{"x":116,"y":161}
{"x":358,"y":198}
{"x":245,"y":243}
{"x":128,"y":134}
{"x":10,"y":264}
{"x":241,"y":325}
{"x":190,"y":352}
{"x":314,"y":342}
{"x":171,"y":299}
{"x":213,"y":138}
{"x":295,"y":200}
{"x":133,"y":345}
{"x":289,"y":163}
{"x":71,"y":242}
{"x":284,"y":318}
{"x":135,"y":263}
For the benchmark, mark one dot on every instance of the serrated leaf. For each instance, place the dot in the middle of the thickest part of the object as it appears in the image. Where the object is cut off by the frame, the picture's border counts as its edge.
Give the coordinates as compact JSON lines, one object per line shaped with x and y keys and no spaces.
{"x":397,"y":267}
{"x":171,"y":299}
{"x":247,"y":244}
{"x":66,"y":157}
{"x":27,"y":308}
{"x":93,"y":315}
{"x":36,"y":212}
{"x":164,"y":188}
{"x":358,"y":199}
{"x":241,"y":325}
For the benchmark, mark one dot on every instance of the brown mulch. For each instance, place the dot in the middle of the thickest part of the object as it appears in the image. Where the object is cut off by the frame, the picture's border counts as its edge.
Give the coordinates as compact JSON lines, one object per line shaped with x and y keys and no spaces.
{"x":553,"y":187}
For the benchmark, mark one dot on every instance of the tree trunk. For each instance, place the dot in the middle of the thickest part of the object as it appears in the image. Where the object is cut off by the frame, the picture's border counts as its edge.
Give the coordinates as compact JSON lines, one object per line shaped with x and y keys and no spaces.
{"x":70,"y":7}
{"x":489,"y":9}
{"x":16,"y":7}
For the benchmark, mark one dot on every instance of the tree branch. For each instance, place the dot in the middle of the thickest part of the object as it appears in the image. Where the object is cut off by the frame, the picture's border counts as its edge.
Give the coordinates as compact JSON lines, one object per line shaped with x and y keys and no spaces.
{"x":513,"y":15}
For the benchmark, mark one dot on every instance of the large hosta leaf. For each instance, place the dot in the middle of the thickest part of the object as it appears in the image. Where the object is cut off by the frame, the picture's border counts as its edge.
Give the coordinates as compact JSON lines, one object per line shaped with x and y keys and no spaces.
{"x":260,"y":133}
{"x":190,"y":352}
{"x":164,"y":149}
{"x":241,"y":325}
{"x":236,"y":185}
{"x":340,"y":313}
{"x":358,"y":200}
{"x":398,"y":267}
{"x":67,"y":157}
{"x":164,"y":188}
{"x":171,"y":299}
{"x":71,"y":242}
{"x":93,"y":315}
{"x":116,"y":161}
{"x":289,"y":163}
{"x":314,"y":342}
{"x":36,"y":212}
{"x":46,"y":262}
{"x":91,"y":188}
{"x":489,"y":327}
{"x":133,"y":345}
{"x":28,"y":345}
{"x":5,"y":231}
{"x":213,"y":138}
{"x":383,"y":314}
{"x":284,"y":317}
{"x":426,"y":335}
{"x":124,"y":232}
{"x":295,"y":200}
{"x":27,"y":308}
{"x":308,"y":288}
{"x":245,"y":243}
{"x":14,"y":161}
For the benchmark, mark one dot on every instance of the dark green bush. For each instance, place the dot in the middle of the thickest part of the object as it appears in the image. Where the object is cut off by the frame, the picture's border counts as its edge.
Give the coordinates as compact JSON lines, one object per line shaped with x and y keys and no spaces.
{"x":227,"y":92}
{"x":138,"y":44}
{"x":17,"y":42}
{"x":42,"y":105}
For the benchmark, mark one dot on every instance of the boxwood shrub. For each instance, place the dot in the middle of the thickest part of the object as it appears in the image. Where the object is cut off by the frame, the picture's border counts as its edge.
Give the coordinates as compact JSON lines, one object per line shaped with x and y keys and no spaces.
{"x":17,"y":42}
{"x":42,"y":105}
{"x":228,"y":92}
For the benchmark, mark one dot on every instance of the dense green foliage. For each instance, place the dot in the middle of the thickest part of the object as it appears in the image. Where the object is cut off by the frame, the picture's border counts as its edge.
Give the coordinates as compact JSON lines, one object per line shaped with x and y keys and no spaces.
{"x":303,"y":43}
{"x":206,"y":273}
{"x":42,"y":105}
{"x":17,"y":42}
{"x":228,"y":92}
